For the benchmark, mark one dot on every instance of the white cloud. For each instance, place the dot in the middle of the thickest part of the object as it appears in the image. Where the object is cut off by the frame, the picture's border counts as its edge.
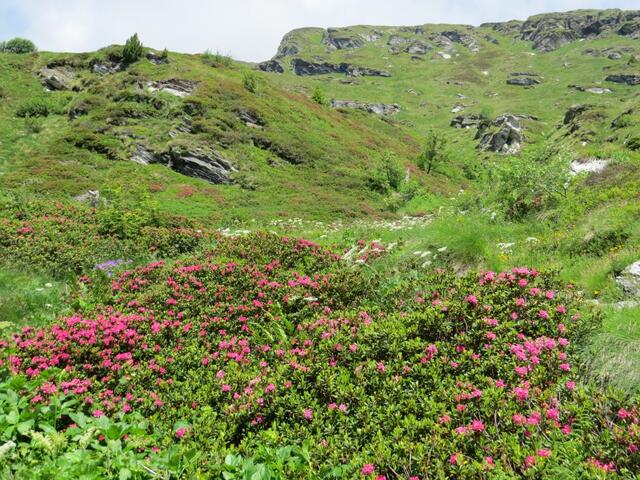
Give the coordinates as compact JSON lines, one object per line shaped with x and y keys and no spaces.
{"x":248,"y":29}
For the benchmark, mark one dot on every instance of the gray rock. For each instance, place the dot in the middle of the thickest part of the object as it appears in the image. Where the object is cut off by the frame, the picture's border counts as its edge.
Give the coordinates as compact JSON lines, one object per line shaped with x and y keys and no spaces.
{"x":157,"y":59}
{"x":503,"y":135}
{"x":91,"y":197}
{"x":467,"y":121}
{"x":588,"y":165}
{"x":419,"y":48}
{"x":273,"y":66}
{"x":173,"y":86}
{"x":340,"y":40}
{"x":574,"y":112}
{"x":143,"y":156}
{"x":629,"y":79}
{"x":198,"y":162}
{"x":377,"y":108}
{"x":56,"y":78}
{"x":523,"y":81}
{"x":250,"y":118}
{"x":629,"y":280}
{"x":614,"y":56}
{"x":396,"y":40}
{"x":105,"y":68}
{"x":303,"y":67}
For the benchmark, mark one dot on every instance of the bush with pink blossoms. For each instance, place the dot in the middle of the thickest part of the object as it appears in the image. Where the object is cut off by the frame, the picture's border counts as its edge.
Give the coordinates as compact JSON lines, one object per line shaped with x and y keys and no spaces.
{"x":268,"y":341}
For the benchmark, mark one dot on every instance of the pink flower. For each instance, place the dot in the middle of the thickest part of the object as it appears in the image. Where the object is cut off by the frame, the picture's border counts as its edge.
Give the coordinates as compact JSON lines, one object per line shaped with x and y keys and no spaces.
{"x":97,"y":413}
{"x":543,"y":314}
{"x":472,"y":300}
{"x":529,"y":461}
{"x":181,"y":432}
{"x":368,"y":469}
{"x":453,"y":459}
{"x":477,"y":426}
{"x":380,"y":366}
{"x":308,"y":414}
{"x":565,"y":367}
{"x":543,"y":452}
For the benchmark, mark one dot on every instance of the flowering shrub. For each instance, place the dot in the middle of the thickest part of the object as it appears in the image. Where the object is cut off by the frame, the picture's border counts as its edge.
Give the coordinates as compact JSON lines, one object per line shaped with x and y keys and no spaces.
{"x":74,"y":238}
{"x":266,"y":341}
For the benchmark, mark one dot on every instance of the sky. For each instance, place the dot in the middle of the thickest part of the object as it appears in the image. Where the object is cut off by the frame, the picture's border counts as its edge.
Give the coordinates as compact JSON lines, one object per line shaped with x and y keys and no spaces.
{"x":248,"y":30}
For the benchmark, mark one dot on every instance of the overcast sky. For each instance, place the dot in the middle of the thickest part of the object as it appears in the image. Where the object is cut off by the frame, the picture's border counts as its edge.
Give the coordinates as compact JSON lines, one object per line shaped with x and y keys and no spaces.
{"x":247,"y":29}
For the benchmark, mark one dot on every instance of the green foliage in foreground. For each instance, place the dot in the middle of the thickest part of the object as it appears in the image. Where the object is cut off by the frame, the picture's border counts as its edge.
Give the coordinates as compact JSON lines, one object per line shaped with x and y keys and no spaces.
{"x":265,"y":341}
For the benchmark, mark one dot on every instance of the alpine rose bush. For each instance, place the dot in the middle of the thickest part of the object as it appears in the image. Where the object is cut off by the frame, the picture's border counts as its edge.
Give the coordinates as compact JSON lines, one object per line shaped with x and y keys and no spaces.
{"x":267,"y":341}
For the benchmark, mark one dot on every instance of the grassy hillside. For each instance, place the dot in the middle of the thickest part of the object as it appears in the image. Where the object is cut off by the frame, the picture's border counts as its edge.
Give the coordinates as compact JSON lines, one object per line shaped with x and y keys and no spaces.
{"x":291,"y":268}
{"x":301,"y":160}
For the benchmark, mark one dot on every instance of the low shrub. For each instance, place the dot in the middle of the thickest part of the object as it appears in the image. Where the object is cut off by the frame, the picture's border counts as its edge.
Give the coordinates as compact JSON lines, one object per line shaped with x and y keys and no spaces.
{"x":264,"y":341}
{"x":17,"y":45}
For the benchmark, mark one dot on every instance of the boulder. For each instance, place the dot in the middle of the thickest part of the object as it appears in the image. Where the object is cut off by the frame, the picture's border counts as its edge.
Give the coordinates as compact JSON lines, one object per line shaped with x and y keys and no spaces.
{"x":341,"y":40}
{"x":303,"y":67}
{"x":250,"y":118}
{"x":198,"y":162}
{"x":173,"y":86}
{"x":56,"y":78}
{"x":614,"y":55}
{"x":588,"y":165}
{"x":574,"y":112}
{"x":396,"y":40}
{"x":467,"y":121}
{"x":418,"y":48}
{"x":105,"y":68}
{"x":629,"y":280}
{"x":273,"y":66}
{"x":629,"y":79}
{"x":157,"y":59}
{"x":503,"y":135}
{"x":376,"y":108}
{"x":523,"y":81}
{"x":92,"y":197}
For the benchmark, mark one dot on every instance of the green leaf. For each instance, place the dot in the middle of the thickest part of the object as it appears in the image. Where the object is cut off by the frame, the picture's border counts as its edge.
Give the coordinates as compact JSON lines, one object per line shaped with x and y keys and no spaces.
{"x":24,"y":427}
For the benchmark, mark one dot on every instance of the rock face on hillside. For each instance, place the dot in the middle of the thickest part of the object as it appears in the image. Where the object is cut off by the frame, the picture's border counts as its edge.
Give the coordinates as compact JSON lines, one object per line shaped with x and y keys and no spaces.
{"x":303,"y":67}
{"x":467,"y":121}
{"x":56,"y":78}
{"x":629,"y":79}
{"x":341,"y":39}
{"x":551,"y":31}
{"x":174,"y":86}
{"x":629,"y":280}
{"x":377,"y":108}
{"x":503,"y":135}
{"x":197,"y":162}
{"x":273,"y":66}
{"x":523,"y":81}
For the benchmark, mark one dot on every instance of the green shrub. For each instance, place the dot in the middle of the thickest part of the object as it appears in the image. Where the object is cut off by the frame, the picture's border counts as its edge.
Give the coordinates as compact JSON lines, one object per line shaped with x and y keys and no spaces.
{"x":388,"y":174}
{"x":34,"y":108}
{"x":217,"y":58}
{"x":318,"y":96}
{"x":17,"y":45}
{"x":433,"y":152}
{"x":250,"y":81}
{"x":132,"y":50}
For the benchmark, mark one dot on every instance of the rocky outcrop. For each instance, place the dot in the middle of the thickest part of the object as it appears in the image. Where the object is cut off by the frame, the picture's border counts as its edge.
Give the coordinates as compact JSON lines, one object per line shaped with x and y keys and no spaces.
{"x":629,"y":280}
{"x":377,"y":108}
{"x":92,"y":197}
{"x":273,"y":66}
{"x":523,"y":81}
{"x":503,"y":135}
{"x":173,"y":86}
{"x":342,"y":39}
{"x":574,"y":112}
{"x":303,"y":67}
{"x":396,"y":40}
{"x":596,"y":90}
{"x":105,"y":68}
{"x":250,"y":118}
{"x":467,"y":121}
{"x":553,"y":30}
{"x":588,"y":165}
{"x":198,"y":162}
{"x":157,"y":58}
{"x":56,"y":78}
{"x":419,"y":48}
{"x":628,"y":78}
